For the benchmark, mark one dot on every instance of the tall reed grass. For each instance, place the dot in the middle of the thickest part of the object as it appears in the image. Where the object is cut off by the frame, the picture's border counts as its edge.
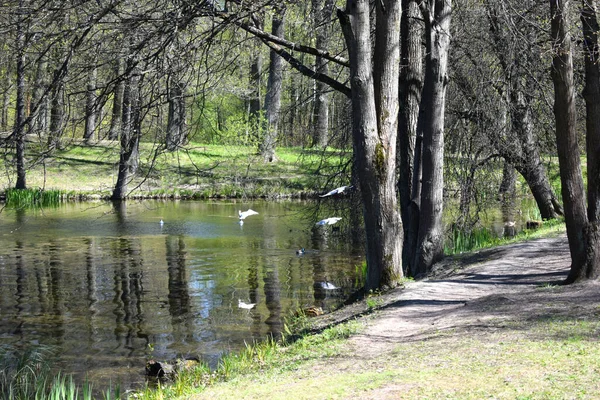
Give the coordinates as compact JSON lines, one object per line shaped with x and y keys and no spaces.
{"x":25,"y":198}
{"x":26,"y":375}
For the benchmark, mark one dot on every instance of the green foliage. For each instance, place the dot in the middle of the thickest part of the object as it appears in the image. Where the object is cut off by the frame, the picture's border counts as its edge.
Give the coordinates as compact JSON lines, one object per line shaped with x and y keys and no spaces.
{"x":24,"y":198}
{"x":25,"y":375}
{"x":480,"y":238}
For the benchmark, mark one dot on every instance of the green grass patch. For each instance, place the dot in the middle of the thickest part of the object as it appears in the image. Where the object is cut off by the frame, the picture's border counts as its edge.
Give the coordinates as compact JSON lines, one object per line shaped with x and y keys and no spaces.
{"x":198,"y":171}
{"x":481,"y":238}
{"x":26,"y":198}
{"x":258,"y":360}
{"x":547,"y":359}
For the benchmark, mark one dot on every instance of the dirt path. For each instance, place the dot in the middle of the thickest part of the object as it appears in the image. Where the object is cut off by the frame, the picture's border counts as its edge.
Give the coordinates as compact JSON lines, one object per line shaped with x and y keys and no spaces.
{"x":465,"y":292}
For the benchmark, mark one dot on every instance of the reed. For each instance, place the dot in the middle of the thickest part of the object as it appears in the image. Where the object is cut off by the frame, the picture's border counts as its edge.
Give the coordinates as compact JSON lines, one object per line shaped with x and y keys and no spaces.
{"x":27,"y":198}
{"x":26,"y":374}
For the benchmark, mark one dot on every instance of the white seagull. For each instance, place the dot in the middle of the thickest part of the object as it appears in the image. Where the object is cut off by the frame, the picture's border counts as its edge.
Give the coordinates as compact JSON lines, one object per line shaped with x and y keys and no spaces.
{"x":328,"y":221}
{"x":244,"y":214}
{"x":335,"y":191}
{"x":246,"y":306}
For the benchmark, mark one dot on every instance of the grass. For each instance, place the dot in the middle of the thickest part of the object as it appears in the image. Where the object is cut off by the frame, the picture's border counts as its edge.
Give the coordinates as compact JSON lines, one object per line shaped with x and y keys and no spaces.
{"x":26,"y":374}
{"x":259,"y":361}
{"x":461,"y":242}
{"x":546,"y":359}
{"x":25,"y":198}
{"x":199,"y":171}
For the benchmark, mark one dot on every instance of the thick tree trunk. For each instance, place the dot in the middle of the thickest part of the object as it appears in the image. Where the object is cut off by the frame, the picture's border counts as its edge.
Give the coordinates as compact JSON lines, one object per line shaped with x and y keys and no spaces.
{"x":567,"y":145}
{"x":19,"y":127}
{"x":437,"y":34}
{"x":321,"y":17}
{"x":130,"y":137}
{"x":176,"y":118}
{"x":529,"y":165}
{"x":90,"y":105}
{"x":591,"y":94}
{"x":57,"y":115}
{"x":117,"y":106}
{"x":411,"y":85}
{"x":274,"y":87}
{"x":374,"y":127}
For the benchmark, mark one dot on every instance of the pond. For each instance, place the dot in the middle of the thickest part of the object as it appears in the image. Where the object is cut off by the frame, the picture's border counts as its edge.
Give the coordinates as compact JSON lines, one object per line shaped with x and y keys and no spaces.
{"x":110,"y":286}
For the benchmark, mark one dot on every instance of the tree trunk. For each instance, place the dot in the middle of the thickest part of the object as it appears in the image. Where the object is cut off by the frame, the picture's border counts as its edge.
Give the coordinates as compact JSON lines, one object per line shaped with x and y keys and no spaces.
{"x":591,"y":95}
{"x":19,"y":127}
{"x":374,"y":128}
{"x":411,"y":84}
{"x":274,"y":85}
{"x":39,"y":121}
{"x":521,"y":147}
{"x":57,"y":115}
{"x":7,"y":87}
{"x":117,"y":106}
{"x":130,"y":136}
{"x":567,"y":145}
{"x":256,"y":69}
{"x":588,"y":269}
{"x":429,"y":248}
{"x":321,"y":17}
{"x":176,"y":117}
{"x":90,"y":105}
{"x":529,"y":165}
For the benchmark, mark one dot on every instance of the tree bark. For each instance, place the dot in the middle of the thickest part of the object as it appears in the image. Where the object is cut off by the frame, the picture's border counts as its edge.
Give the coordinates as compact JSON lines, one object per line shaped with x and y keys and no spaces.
{"x":411,"y":85}
{"x":429,"y":248}
{"x":19,"y":126}
{"x":57,"y":114}
{"x":274,"y":87}
{"x":39,"y":121}
{"x":130,"y":136}
{"x":321,"y":17}
{"x":591,"y":94}
{"x":374,"y":128}
{"x":566,"y":140}
{"x":256,"y":69}
{"x":588,"y":269}
{"x":176,"y":118}
{"x":117,"y":106}
{"x":90,"y":105}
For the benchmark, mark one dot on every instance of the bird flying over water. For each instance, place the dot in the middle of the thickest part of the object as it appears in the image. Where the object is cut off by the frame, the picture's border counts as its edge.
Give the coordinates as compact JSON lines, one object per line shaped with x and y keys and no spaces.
{"x":329,"y":221}
{"x":335,"y":191}
{"x":244,"y":214}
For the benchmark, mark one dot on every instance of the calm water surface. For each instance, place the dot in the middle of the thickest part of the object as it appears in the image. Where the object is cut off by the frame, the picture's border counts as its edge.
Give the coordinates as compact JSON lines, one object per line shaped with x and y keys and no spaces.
{"x":109,"y":286}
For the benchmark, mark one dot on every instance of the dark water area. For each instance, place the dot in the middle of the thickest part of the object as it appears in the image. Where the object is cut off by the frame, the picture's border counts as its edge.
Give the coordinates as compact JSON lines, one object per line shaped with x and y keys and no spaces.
{"x":109,"y":287}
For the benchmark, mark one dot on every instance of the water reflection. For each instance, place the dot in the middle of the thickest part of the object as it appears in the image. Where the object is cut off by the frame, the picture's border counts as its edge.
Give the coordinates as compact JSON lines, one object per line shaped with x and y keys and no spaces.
{"x":107,"y":287}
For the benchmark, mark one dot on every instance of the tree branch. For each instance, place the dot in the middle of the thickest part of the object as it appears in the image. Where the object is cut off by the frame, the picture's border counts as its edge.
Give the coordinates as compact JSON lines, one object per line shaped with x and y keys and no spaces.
{"x":304,"y":70}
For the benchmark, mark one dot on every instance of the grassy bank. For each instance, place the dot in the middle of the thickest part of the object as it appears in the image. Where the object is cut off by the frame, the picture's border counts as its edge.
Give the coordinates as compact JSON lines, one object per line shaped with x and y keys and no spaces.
{"x":199,"y":171}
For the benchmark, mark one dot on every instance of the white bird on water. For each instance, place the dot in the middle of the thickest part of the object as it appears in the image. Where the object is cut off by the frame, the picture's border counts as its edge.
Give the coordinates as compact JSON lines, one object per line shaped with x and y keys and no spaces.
{"x":244,"y":305}
{"x":328,"y":221}
{"x":328,"y":285}
{"x":244,"y":214}
{"x":335,"y":191}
